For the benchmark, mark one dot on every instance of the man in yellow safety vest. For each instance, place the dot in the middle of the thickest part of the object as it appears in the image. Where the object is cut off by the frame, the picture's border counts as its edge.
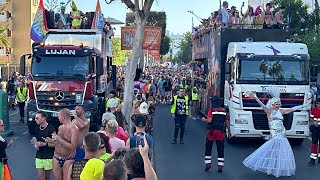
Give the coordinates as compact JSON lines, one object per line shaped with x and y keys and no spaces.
{"x":21,"y":99}
{"x":180,"y":112}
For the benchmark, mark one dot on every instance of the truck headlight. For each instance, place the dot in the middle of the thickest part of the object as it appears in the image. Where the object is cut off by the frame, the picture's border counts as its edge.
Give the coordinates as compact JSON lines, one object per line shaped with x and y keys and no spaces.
{"x":32,"y":114}
{"x":87,"y":114}
{"x":241,"y":121}
{"x":302,"y":123}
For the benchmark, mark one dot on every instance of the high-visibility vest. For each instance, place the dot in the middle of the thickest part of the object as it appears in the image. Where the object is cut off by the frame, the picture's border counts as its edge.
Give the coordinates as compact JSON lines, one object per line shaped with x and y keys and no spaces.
{"x":174,"y":105}
{"x":195,"y":96}
{"x":21,"y":96}
{"x":108,"y":102}
{"x":184,"y":86}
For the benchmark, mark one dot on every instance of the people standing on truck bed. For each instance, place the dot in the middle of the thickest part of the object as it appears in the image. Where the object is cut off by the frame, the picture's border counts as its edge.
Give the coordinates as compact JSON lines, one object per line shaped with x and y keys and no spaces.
{"x":76,"y":16}
{"x":62,"y":20}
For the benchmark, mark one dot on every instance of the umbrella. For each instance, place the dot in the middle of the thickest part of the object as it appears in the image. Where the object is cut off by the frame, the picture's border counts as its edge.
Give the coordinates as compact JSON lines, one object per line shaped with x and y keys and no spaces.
{"x":113,"y":20}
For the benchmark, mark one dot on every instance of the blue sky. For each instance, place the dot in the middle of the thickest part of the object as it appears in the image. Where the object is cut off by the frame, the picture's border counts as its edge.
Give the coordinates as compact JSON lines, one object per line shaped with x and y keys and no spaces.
{"x":178,"y":19}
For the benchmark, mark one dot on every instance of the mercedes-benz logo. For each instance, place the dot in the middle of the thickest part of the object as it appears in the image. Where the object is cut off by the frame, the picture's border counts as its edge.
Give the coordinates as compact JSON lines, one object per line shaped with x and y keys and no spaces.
{"x":59,"y":95}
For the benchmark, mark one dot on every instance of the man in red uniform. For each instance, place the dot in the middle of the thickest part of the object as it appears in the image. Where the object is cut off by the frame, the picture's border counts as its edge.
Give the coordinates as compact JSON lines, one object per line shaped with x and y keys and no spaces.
{"x":217,"y":122}
{"x":315,"y":130}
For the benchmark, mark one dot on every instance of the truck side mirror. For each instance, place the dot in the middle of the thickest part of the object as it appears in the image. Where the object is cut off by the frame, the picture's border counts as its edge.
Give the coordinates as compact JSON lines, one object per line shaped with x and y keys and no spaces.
{"x":23,"y":65}
{"x":228,"y":71}
{"x":99,"y":68}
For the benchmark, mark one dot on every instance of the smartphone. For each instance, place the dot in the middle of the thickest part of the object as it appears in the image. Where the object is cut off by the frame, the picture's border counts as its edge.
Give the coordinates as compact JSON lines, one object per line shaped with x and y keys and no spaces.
{"x":140,"y":139}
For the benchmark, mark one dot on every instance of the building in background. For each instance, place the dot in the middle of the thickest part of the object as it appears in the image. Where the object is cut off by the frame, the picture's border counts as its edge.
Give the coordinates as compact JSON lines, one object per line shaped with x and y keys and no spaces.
{"x":18,"y":17}
{"x":174,"y":44}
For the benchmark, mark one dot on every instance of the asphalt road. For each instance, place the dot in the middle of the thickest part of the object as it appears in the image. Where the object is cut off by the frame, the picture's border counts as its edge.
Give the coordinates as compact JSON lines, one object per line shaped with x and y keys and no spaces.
{"x":172,"y":162}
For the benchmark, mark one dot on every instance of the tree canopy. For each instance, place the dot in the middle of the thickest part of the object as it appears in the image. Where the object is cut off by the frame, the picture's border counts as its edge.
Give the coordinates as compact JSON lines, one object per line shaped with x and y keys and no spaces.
{"x":184,"y":55}
{"x":118,"y":55}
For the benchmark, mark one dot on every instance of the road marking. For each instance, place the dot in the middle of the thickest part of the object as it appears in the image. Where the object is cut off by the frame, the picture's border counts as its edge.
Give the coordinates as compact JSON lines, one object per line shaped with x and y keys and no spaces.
{"x":13,"y":114}
{"x":25,"y":132}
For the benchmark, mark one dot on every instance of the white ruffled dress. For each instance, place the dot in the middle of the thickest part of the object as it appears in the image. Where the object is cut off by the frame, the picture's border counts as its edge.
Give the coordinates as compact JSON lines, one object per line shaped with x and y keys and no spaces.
{"x":275,"y":156}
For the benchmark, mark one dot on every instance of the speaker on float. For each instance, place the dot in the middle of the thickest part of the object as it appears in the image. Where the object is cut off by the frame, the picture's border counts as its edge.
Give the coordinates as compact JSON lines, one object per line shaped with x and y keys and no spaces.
{"x":90,"y":16}
{"x":50,"y":19}
{"x":114,"y":76}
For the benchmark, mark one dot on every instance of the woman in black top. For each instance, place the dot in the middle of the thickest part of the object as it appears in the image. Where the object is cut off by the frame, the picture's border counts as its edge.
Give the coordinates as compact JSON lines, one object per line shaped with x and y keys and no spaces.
{"x":3,"y":156}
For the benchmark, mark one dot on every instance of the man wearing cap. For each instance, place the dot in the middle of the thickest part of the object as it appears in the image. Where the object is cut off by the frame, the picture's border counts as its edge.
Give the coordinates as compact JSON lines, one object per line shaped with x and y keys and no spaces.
{"x":112,"y":95}
{"x":121,"y":119}
{"x":180,"y":112}
{"x":217,"y":123}
{"x":144,"y":110}
{"x":140,"y":123}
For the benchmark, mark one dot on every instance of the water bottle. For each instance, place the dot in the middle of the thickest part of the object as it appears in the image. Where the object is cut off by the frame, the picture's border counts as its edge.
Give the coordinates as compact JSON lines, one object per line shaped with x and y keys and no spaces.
{"x":34,"y":139}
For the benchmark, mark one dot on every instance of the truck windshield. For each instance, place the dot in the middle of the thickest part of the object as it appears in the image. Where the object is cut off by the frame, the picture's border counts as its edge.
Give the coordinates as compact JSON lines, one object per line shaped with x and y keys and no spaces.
{"x":60,"y":65}
{"x":275,"y":70}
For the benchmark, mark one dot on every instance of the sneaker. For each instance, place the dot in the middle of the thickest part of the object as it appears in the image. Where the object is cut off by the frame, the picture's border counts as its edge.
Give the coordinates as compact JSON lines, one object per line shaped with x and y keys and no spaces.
{"x":208,"y":166}
{"x":312,"y":162}
{"x":181,"y":141}
{"x":220,"y":170}
{"x":174,"y":141}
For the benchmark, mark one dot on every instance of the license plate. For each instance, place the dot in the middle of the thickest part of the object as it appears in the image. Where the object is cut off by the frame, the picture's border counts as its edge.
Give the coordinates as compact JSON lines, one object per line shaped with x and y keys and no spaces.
{"x":55,"y":114}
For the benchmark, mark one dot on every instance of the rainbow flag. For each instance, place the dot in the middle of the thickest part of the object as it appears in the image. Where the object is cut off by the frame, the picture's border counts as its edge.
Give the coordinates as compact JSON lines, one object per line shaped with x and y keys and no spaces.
{"x":39,"y":27}
{"x":98,"y":20}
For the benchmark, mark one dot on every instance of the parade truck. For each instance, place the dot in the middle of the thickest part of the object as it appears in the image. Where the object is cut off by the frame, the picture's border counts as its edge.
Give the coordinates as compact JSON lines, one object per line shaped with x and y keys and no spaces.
{"x":67,"y":70}
{"x":230,"y":62}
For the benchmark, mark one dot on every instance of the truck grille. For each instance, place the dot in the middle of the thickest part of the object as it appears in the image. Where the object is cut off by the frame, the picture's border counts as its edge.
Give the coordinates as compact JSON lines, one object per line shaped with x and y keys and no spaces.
{"x":288,"y":100}
{"x":260,"y":120}
{"x":46,"y":101}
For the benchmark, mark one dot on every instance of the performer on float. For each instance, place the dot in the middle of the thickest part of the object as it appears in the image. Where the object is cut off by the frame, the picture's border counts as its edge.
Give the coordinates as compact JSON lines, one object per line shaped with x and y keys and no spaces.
{"x":315,"y":130}
{"x":275,"y":156}
{"x":217,"y":122}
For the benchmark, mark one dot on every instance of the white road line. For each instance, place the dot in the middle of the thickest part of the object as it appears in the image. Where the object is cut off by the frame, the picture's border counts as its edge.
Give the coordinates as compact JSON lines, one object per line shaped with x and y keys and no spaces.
{"x":26,"y":132}
{"x":13,"y":114}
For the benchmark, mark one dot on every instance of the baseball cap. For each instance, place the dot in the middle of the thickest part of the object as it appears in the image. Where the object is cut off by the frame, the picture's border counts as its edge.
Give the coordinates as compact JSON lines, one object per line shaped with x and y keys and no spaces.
{"x":113,"y":103}
{"x":140,"y":121}
{"x":143,"y":108}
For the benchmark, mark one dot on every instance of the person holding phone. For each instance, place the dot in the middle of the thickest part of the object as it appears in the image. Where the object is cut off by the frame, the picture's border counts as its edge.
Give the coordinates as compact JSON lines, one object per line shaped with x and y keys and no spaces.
{"x":140,"y":123}
{"x":217,"y":121}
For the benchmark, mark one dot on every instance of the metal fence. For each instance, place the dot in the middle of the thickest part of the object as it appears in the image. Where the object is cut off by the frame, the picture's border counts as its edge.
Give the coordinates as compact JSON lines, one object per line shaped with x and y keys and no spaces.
{"x":6,"y":70}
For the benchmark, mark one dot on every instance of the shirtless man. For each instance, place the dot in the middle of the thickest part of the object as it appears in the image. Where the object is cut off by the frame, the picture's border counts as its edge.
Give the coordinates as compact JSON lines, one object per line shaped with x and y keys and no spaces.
{"x":66,"y":142}
{"x":279,"y":18}
{"x":83,"y":125}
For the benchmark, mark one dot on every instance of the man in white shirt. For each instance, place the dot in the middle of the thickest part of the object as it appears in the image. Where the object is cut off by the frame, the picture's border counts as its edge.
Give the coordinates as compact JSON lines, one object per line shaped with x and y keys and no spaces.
{"x":225,"y":16}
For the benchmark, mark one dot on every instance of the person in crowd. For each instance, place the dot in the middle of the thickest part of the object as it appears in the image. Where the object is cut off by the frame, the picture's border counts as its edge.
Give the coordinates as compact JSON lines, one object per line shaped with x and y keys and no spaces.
{"x":138,"y":163}
{"x":121,"y":119}
{"x":83,"y":125}
{"x":121,"y":134}
{"x":235,"y":20}
{"x":91,"y":144}
{"x":267,"y":16}
{"x":278,"y":18}
{"x":258,"y":21}
{"x":248,"y":17}
{"x":21,"y":99}
{"x":144,"y":110}
{"x":111,"y":130}
{"x":225,"y":15}
{"x":274,"y":149}
{"x":315,"y":130}
{"x":66,"y":142}
{"x":167,"y":88}
{"x":62,"y":20}
{"x":12,"y":93}
{"x":45,"y":150}
{"x":160,"y":88}
{"x":115,"y":170}
{"x":3,"y":155}
{"x":140,"y":123}
{"x":217,"y":121}
{"x":195,"y":102}
{"x":112,"y":95}
{"x":105,"y":146}
{"x":180,"y":112}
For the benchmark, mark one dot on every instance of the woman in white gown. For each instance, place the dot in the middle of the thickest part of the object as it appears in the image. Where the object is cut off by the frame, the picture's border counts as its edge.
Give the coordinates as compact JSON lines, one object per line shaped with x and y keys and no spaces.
{"x":275,"y":156}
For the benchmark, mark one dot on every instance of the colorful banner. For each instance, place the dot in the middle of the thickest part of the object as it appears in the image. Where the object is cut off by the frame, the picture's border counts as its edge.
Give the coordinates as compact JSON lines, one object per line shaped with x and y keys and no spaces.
{"x":39,"y":27}
{"x":151,"y":40}
{"x":98,"y":20}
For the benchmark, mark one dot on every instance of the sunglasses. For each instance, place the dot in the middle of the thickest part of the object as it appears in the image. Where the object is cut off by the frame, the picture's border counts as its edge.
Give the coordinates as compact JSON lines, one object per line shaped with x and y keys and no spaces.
{"x":317,"y":103}
{"x":277,"y":104}
{"x":2,"y":125}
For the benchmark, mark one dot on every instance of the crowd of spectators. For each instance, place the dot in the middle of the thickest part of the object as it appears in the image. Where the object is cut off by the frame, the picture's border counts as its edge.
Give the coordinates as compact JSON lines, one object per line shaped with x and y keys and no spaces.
{"x":253,"y":18}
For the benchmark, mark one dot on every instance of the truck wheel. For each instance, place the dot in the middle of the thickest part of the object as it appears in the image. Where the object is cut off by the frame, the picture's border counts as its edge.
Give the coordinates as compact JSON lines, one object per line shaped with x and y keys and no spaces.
{"x":32,"y":130}
{"x":232,"y":140}
{"x":296,"y":141}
